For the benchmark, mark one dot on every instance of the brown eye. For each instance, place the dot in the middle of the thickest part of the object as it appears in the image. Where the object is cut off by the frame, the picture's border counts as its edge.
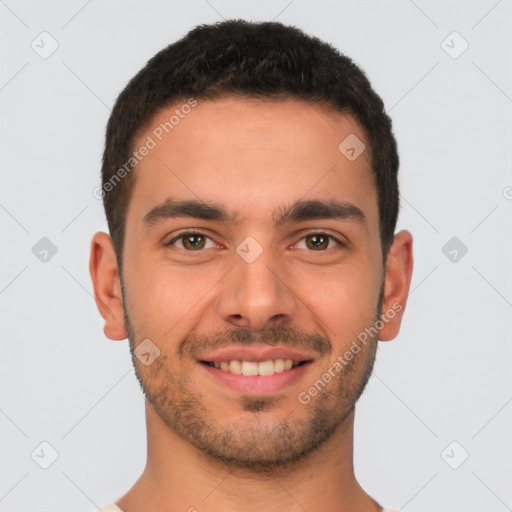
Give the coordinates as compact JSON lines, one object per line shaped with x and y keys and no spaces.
{"x":194,"y":241}
{"x":319,"y":242}
{"x":190,"y":241}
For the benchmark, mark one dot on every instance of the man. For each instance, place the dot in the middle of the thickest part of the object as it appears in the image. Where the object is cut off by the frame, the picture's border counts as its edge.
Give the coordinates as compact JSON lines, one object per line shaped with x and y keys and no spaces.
{"x":250,"y":186}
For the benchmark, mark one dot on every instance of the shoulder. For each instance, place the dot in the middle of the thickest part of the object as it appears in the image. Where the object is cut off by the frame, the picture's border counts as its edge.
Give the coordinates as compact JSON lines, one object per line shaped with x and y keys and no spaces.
{"x":114,"y":508}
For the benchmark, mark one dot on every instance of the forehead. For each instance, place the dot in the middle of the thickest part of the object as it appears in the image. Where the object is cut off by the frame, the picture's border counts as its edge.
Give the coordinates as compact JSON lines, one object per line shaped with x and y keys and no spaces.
{"x":252,"y":155}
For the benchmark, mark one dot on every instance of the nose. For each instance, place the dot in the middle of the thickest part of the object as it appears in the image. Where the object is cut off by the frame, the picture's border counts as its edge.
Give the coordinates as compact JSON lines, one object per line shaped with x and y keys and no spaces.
{"x":257,"y":295}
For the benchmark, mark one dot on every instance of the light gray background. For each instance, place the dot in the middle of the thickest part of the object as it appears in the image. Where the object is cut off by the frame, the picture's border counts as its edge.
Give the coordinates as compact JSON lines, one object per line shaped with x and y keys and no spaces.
{"x":445,"y":378}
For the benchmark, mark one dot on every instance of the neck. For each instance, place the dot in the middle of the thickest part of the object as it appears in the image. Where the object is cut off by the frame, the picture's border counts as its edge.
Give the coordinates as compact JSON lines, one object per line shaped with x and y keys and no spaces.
{"x":178,"y":476}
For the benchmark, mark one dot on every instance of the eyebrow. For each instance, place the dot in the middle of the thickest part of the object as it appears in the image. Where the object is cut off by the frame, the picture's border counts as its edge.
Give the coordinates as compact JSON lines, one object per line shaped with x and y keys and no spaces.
{"x":300,"y":210}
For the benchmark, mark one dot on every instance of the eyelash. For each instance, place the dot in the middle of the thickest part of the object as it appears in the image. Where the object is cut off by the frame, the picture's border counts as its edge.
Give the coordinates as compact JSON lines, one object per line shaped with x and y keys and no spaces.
{"x":188,"y":233}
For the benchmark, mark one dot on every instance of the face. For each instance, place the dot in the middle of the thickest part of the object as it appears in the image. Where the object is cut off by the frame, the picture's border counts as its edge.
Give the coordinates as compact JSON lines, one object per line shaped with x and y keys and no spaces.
{"x":252,"y":245}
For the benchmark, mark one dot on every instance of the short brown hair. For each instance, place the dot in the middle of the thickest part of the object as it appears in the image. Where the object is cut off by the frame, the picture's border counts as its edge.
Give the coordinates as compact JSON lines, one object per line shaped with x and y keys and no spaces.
{"x":241,"y":58}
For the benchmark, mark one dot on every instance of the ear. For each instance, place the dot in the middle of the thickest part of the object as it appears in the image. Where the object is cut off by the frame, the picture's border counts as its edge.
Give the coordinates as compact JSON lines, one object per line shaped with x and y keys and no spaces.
{"x":107,"y":286}
{"x":397,"y":281}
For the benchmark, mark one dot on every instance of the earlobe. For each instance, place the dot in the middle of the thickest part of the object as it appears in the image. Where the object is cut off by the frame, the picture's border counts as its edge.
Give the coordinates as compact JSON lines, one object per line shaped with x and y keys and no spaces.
{"x":107,"y":286}
{"x":399,"y":268}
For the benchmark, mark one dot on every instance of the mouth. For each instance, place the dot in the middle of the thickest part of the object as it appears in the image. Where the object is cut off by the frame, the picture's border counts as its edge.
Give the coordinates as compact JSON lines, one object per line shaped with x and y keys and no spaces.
{"x":255,"y":371}
{"x":254,"y":368}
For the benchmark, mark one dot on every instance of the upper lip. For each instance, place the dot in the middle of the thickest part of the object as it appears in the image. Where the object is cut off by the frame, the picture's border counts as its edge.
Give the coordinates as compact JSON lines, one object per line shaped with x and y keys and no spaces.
{"x":253,"y":353}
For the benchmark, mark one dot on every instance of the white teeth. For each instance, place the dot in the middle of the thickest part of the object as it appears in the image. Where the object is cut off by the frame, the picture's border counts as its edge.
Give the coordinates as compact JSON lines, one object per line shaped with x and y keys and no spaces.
{"x":278,"y":365}
{"x":251,"y":368}
{"x":235,"y":367}
{"x":266,"y":368}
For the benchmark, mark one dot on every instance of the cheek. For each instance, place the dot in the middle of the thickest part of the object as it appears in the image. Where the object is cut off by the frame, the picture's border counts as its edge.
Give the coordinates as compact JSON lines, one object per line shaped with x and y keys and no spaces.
{"x":166,"y":294}
{"x":344,"y":301}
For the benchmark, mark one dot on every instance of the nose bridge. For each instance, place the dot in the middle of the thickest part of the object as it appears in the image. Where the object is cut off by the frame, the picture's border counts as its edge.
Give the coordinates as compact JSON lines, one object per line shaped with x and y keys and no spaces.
{"x":255,"y":292}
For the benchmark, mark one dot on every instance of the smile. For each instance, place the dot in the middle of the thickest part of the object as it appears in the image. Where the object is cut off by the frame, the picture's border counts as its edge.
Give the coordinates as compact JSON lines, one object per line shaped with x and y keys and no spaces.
{"x":253,"y":368}
{"x":245,"y":377}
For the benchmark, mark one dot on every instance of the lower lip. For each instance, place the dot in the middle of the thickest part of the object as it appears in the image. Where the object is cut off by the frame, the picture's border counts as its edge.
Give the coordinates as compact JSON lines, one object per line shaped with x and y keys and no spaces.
{"x":257,"y":384}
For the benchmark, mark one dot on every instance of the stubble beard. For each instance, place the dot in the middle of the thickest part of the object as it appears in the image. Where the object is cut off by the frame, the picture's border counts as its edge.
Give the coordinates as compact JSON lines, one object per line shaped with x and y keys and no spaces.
{"x":259,"y":445}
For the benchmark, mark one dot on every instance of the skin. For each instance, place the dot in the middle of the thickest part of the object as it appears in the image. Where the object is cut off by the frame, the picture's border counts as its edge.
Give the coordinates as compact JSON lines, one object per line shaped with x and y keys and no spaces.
{"x":253,"y":157}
